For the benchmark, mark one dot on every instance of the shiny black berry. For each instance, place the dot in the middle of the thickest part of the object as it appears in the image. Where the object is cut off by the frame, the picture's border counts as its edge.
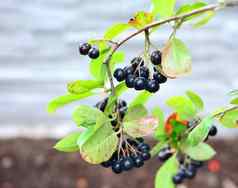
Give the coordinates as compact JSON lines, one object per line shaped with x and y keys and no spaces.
{"x":130,"y":81}
{"x":145,"y":155}
{"x":143,"y":72}
{"x":122,"y":104}
{"x":177,"y":179}
{"x":107,"y":164}
{"x":129,"y":71}
{"x":102,"y":105}
{"x":152,"y":86}
{"x":143,"y":147}
{"x":140,"y":83}
{"x":127,"y":164}
{"x":164,"y":154}
{"x":138,"y":161}
{"x":213,"y":131}
{"x":117,"y":167}
{"x":156,"y":57}
{"x":93,"y":53}
{"x":159,"y":77}
{"x":119,"y":74}
{"x":84,"y":48}
{"x":190,"y":172}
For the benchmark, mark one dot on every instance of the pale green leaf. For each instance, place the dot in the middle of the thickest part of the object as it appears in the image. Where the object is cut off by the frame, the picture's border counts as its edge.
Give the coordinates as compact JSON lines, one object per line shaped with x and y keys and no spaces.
{"x":69,"y":143}
{"x":200,"y":132}
{"x":80,"y":86}
{"x":204,"y":20}
{"x":66,"y":99}
{"x":159,"y":133}
{"x":234,"y":101}
{"x":120,"y":89}
{"x":176,"y":58}
{"x":156,"y":149}
{"x":141,"y":98}
{"x":201,"y":152}
{"x":135,"y":112}
{"x":196,"y":99}
{"x":183,"y":106}
{"x":141,"y":19}
{"x":165,"y":174}
{"x":230,"y":119}
{"x":116,"y":30}
{"x":163,"y":8}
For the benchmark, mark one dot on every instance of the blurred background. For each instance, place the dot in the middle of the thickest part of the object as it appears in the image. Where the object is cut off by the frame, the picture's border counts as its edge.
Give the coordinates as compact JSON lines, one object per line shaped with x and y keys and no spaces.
{"x":39,"y":54}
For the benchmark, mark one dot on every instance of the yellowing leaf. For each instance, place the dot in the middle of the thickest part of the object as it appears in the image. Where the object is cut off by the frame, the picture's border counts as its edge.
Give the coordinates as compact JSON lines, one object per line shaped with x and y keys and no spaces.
{"x":176,"y":59}
{"x":141,"y":19}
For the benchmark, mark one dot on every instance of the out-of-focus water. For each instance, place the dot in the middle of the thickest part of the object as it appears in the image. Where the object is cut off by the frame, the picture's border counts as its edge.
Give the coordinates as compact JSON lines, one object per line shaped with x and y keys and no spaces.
{"x":38,"y":56}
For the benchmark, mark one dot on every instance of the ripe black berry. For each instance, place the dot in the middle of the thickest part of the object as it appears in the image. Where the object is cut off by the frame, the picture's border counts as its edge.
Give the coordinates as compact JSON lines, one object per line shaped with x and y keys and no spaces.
{"x":119,"y":74}
{"x":102,"y":105}
{"x":140,"y":83}
{"x":129,"y":71}
{"x":107,"y":164}
{"x":159,"y":77}
{"x":213,"y":131}
{"x":127,"y":164}
{"x":122,"y":104}
{"x":130,"y":81}
{"x":143,"y":72}
{"x":177,"y":179}
{"x":145,"y":155}
{"x":143,"y":147}
{"x":156,"y":57}
{"x":164,"y":154}
{"x":197,"y":164}
{"x":137,"y":61}
{"x":93,"y":53}
{"x":138,"y":161}
{"x":190,"y":172}
{"x":152,"y":86}
{"x":84,"y":48}
{"x":117,"y":167}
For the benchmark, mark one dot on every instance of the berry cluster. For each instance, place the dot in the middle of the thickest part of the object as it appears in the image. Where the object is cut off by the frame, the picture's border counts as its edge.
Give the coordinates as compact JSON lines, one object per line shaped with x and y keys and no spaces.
{"x":132,"y":154}
{"x":139,"y":76}
{"x":187,"y":170}
{"x":87,"y":49}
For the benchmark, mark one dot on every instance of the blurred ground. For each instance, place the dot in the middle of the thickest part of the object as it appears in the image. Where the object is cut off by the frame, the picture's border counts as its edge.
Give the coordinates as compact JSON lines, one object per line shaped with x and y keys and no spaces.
{"x":28,"y":163}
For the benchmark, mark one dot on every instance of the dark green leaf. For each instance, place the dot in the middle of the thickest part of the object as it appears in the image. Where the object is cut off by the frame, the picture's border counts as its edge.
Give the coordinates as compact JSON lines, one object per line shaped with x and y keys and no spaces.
{"x":116,"y":30}
{"x":201,"y":152}
{"x":165,"y":174}
{"x":69,"y":143}
{"x":176,"y":60}
{"x":196,"y":99}
{"x":163,"y":8}
{"x":66,"y":99}
{"x":199,"y":133}
{"x":141,"y":98}
{"x":80,"y":86}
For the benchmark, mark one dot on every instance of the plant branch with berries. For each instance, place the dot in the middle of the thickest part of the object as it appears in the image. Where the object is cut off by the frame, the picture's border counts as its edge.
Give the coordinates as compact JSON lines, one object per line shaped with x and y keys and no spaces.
{"x":112,"y":132}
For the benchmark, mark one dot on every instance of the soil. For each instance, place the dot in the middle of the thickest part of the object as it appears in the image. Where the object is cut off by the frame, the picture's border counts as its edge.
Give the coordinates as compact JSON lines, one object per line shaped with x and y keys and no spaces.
{"x":26,"y":163}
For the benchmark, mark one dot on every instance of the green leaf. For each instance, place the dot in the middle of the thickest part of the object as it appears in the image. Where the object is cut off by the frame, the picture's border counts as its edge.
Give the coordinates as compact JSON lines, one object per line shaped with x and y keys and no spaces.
{"x":183,"y":106}
{"x":116,"y":30}
{"x":141,"y":19}
{"x":165,"y":174}
{"x":163,"y":8}
{"x":135,"y":112}
{"x":110,"y":105}
{"x":120,"y":89}
{"x":196,"y":99}
{"x":101,"y":145}
{"x":176,"y":58}
{"x":141,"y":98}
{"x":200,"y":132}
{"x":204,"y":20}
{"x":86,"y":116}
{"x":201,"y":152}
{"x":80,"y":86}
{"x":159,"y":133}
{"x":230,"y":119}
{"x":156,"y":149}
{"x":140,"y":127}
{"x":234,"y":101}
{"x":69,"y":143}
{"x":66,"y":99}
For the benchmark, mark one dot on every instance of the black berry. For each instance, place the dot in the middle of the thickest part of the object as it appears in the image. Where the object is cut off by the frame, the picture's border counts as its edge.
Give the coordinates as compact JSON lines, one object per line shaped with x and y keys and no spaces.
{"x":122,"y":104}
{"x":143,"y":72}
{"x":164,"y":154}
{"x":84,"y":48}
{"x":130,"y":81}
{"x":129,"y":71}
{"x":93,"y":53}
{"x":119,"y":74}
{"x":159,"y":77}
{"x":140,"y":83}
{"x":145,"y":155}
{"x":177,"y":179}
{"x":213,"y":131}
{"x":127,"y":164}
{"x":117,"y":167}
{"x":138,"y":161}
{"x":143,"y":147}
{"x":190,"y":172}
{"x":156,"y":57}
{"x":152,"y":86}
{"x":107,"y":164}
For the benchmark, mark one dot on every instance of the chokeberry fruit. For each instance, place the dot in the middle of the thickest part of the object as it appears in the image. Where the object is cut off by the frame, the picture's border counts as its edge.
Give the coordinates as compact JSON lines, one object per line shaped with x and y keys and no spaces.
{"x":213,"y":131}
{"x":159,"y":77}
{"x":117,"y":167}
{"x":145,"y":155}
{"x":138,"y":161}
{"x":119,"y":74}
{"x":156,"y":57}
{"x":177,"y":179}
{"x":93,"y":53}
{"x":190,"y":172}
{"x":130,"y":81}
{"x":129,"y":71}
{"x":84,"y":48}
{"x":197,"y":164}
{"x":122,"y":112}
{"x":122,"y":104}
{"x":164,"y":154}
{"x":152,"y":86}
{"x":143,"y":147}
{"x":143,"y":72}
{"x":140,"y":139}
{"x":107,"y":164}
{"x":102,"y":105}
{"x":127,"y":164}
{"x":140,"y":83}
